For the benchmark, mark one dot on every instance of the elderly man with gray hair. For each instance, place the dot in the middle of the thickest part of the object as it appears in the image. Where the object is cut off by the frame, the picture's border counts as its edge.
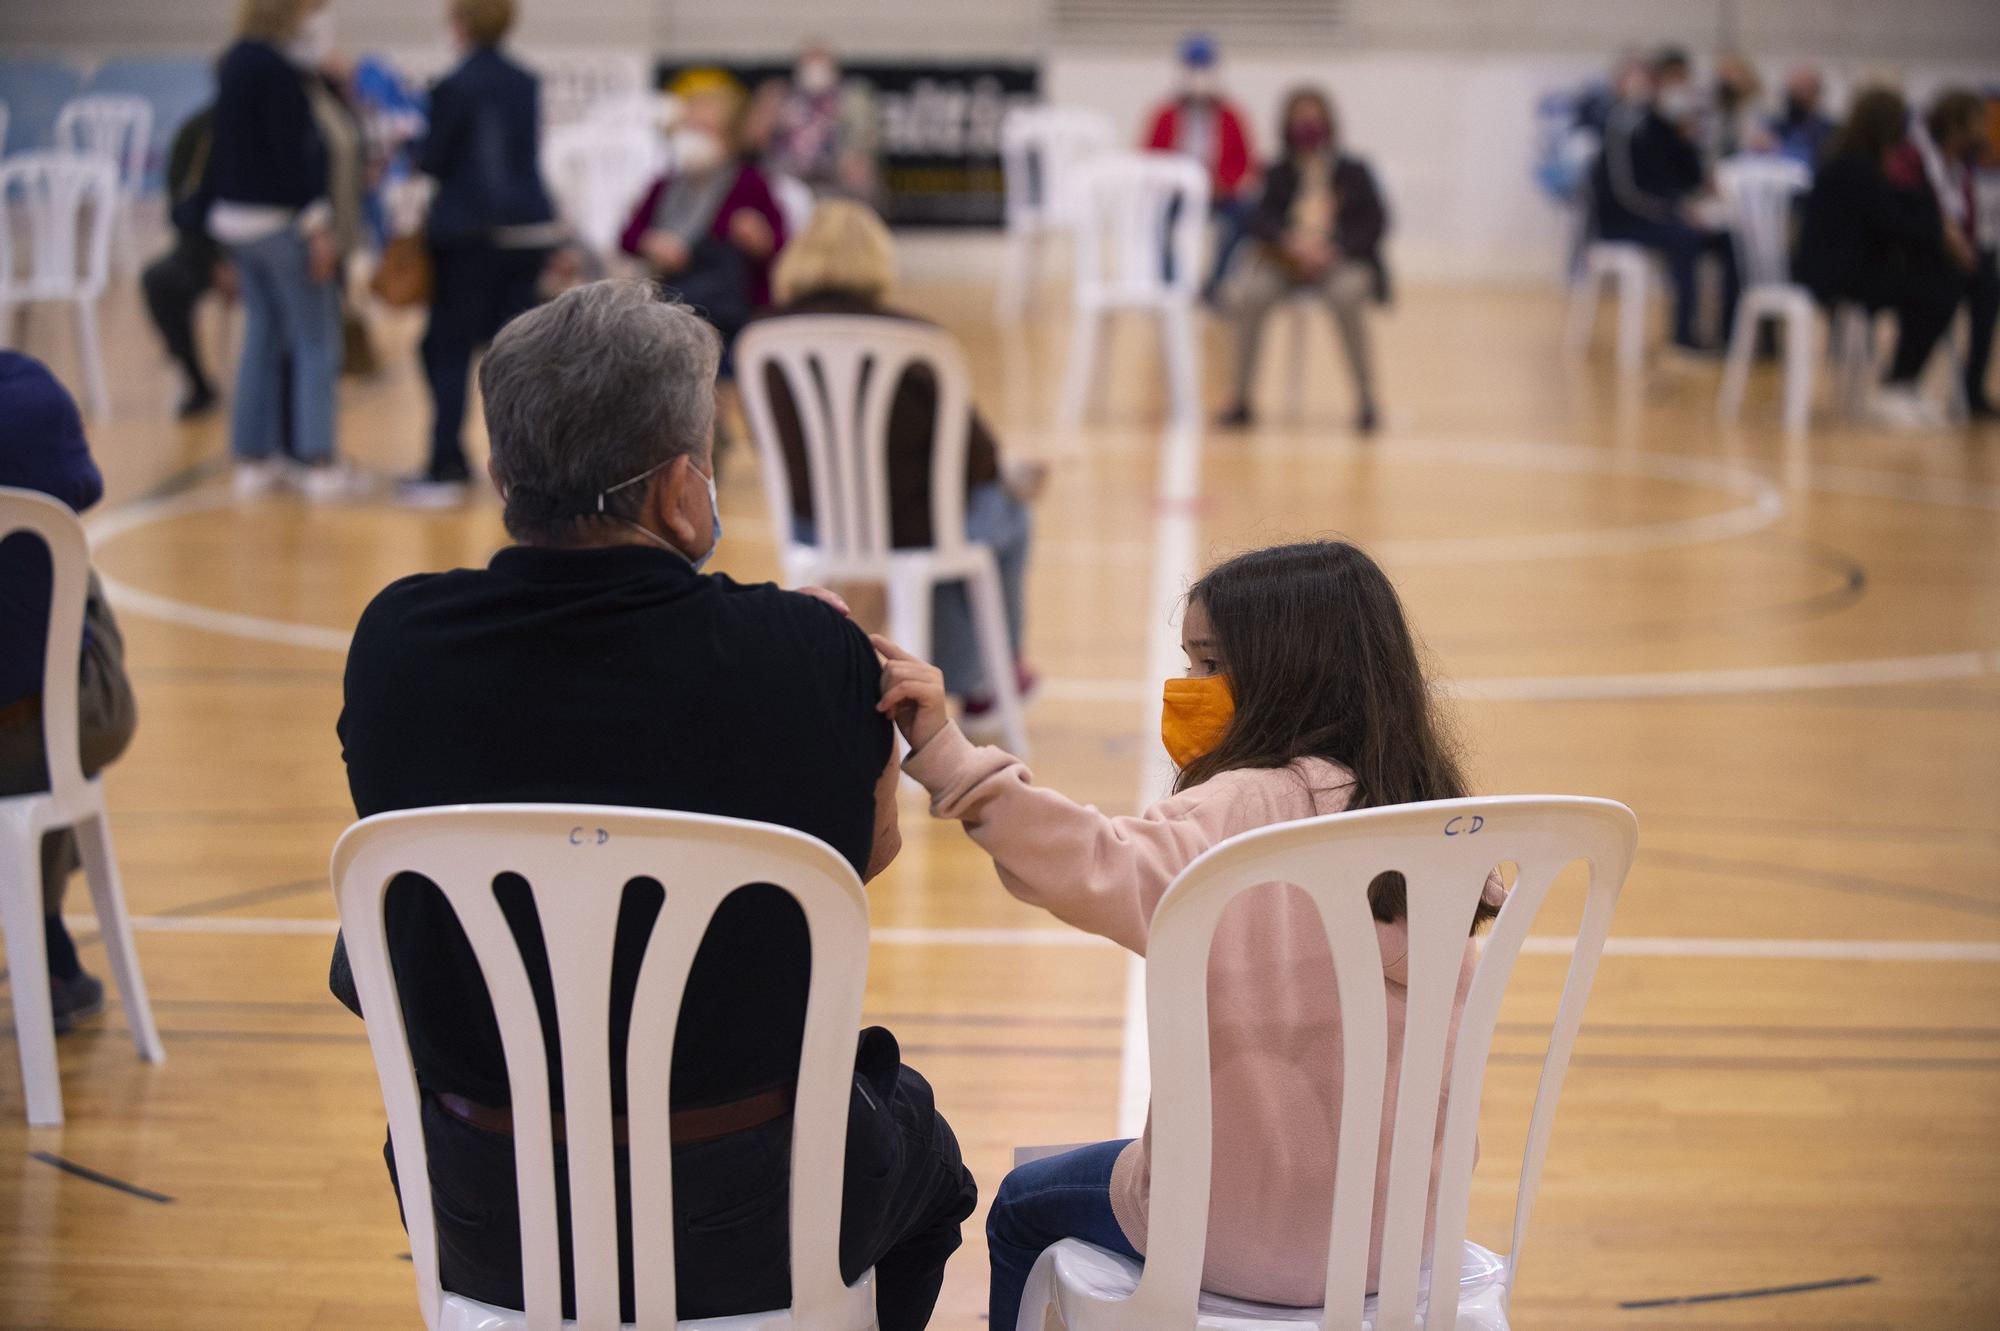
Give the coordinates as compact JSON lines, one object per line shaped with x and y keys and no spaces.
{"x":595,"y":662}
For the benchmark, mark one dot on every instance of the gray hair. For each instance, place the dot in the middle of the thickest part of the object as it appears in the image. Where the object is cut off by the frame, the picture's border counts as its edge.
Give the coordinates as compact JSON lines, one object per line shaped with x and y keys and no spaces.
{"x":596,"y":387}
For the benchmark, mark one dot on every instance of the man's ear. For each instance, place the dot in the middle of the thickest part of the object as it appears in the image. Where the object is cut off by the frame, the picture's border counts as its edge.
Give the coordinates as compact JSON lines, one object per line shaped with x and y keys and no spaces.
{"x":493,"y":475}
{"x":670,"y":498}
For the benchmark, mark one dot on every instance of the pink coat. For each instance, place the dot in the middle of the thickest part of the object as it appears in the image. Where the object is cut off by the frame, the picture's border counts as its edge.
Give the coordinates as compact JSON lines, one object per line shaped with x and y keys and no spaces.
{"x":1274,"y":1021}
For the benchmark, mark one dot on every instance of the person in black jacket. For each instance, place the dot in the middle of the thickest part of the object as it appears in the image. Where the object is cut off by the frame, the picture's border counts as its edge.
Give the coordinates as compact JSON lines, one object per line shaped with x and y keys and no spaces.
{"x":1643,"y":186}
{"x":1872,"y":234}
{"x":267,"y":203}
{"x":491,"y":226}
{"x":175,"y":281}
{"x":1319,"y":227}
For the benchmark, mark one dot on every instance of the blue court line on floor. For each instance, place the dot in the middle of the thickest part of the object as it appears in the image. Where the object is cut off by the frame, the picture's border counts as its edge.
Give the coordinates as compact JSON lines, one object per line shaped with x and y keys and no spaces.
{"x":103,"y":1180}
{"x":1683,"y":1300}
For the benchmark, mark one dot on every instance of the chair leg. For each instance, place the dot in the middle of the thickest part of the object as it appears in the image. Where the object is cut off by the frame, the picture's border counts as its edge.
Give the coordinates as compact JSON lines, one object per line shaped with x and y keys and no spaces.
{"x":114,"y":926}
{"x":1183,"y":354}
{"x":28,"y":973}
{"x":910,"y":614}
{"x":996,"y":653}
{"x":1582,"y":311}
{"x":1295,"y":392}
{"x":1086,"y":330}
{"x":1801,"y":332}
{"x":1017,"y":263}
{"x":1632,"y":321}
{"x":1736,"y":374}
{"x":90,"y":353}
{"x":1038,"y":1297}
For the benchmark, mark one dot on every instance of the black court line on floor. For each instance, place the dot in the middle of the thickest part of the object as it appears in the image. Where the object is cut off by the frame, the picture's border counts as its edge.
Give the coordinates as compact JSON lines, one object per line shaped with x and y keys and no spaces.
{"x":102,"y":1180}
{"x":1961,"y":902}
{"x":1809,"y":1287}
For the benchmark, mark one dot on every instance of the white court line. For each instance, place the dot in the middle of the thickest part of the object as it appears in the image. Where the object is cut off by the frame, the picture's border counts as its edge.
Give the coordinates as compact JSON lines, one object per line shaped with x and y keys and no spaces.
{"x":1715,"y":949}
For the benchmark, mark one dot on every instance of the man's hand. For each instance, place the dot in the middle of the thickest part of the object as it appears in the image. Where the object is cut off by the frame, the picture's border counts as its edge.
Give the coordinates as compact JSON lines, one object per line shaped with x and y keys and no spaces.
{"x":749,"y":232}
{"x":664,"y":250}
{"x":912,"y":693}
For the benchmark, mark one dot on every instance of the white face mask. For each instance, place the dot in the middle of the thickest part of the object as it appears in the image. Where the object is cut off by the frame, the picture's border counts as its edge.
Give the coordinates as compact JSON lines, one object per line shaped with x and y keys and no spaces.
{"x":1200,"y":83}
{"x":313,"y":42}
{"x":1680,"y":101}
{"x":817,"y":76}
{"x":695,"y":150}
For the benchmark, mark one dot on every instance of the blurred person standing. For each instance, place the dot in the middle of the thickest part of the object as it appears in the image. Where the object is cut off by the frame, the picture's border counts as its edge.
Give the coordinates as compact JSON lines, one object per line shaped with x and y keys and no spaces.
{"x":1200,"y":122}
{"x":267,"y":201}
{"x":1951,"y":144}
{"x":1646,"y":183}
{"x":176,"y":281}
{"x":1735,"y":124}
{"x":490,"y":229}
{"x":709,"y":228}
{"x":1801,"y":129}
{"x":844,"y":263}
{"x":825,"y":133}
{"x":44,"y":449}
{"x":1319,"y":227}
{"x":1872,"y":234}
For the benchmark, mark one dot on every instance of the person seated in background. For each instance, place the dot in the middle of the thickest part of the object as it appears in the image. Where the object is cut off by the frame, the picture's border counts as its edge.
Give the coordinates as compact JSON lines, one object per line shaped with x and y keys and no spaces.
{"x":1951,"y":146}
{"x":1734,"y":124}
{"x":844,"y":262}
{"x":43,"y":448}
{"x":709,"y":228}
{"x":1318,"y":228}
{"x":1202,"y":123}
{"x":1646,"y":183}
{"x":824,"y":131}
{"x":1304,"y":697}
{"x":1871,"y":233}
{"x":1801,"y":129}
{"x":596,"y":662}
{"x":176,"y":281}
{"x":490,"y":229}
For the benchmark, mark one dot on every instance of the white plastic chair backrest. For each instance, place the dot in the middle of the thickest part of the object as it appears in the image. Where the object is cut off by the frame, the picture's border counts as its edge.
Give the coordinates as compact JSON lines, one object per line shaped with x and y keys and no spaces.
{"x":1757,"y":192}
{"x":598,"y":173}
{"x":1133,"y":209}
{"x":577,"y":860}
{"x":1444,"y":850}
{"x":795,"y":203}
{"x":842,"y":372}
{"x":32,"y":512}
{"x":114,"y":125}
{"x":68,"y":201}
{"x":1040,"y":149}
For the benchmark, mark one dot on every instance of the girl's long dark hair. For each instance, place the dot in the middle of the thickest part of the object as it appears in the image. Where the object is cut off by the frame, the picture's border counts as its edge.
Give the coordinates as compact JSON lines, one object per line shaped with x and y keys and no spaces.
{"x":1878,"y":120}
{"x":1322,"y":665}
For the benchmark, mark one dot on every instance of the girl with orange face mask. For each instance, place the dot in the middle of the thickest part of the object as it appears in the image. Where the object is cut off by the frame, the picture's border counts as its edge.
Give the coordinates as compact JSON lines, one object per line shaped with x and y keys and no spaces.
{"x":1304,"y":696}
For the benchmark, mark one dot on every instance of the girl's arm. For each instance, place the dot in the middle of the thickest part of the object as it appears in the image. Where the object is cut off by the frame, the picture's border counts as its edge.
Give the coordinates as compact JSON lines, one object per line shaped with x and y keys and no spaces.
{"x":1102,"y":874}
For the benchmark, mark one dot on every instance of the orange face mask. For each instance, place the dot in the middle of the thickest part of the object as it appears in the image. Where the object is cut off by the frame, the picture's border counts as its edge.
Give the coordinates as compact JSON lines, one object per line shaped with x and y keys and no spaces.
{"x":1194,"y":716}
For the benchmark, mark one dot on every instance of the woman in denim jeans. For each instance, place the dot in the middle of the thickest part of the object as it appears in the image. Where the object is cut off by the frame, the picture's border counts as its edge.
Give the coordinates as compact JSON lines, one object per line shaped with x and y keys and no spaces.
{"x":267,"y":203}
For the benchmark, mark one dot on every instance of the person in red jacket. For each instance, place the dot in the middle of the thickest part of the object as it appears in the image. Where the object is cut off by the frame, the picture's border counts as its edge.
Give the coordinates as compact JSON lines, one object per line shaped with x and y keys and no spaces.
{"x":1199,"y":121}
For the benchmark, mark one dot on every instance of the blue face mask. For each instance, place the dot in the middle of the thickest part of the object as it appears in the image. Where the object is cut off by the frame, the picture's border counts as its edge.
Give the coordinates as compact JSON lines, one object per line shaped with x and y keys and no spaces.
{"x":714,"y":510}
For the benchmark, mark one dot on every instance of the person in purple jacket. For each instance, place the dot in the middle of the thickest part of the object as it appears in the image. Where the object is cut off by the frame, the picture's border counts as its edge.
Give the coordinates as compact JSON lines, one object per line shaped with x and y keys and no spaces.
{"x":43,"y":448}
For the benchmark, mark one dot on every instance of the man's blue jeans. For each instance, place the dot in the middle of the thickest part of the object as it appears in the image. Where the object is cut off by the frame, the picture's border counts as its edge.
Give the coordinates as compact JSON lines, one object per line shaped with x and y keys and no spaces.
{"x":1063,"y":1197}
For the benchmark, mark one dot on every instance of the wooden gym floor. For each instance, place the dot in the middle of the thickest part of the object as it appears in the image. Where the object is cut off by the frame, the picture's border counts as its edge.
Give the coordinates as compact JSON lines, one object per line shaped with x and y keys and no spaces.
{"x":1784,"y":657}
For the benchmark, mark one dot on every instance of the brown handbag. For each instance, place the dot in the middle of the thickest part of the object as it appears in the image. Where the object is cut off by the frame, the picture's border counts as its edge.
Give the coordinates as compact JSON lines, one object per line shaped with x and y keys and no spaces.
{"x":404,"y":277}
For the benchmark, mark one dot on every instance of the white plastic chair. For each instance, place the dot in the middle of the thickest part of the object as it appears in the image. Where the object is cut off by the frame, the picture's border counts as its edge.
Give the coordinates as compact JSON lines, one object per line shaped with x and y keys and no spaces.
{"x":69,"y":202}
{"x":1629,"y":269}
{"x":842,"y":372}
{"x":1757,"y":194}
{"x":118,"y":126}
{"x":1040,"y":150}
{"x":597,"y":174}
{"x":1140,"y":220}
{"x":1444,"y":850}
{"x":577,"y":860}
{"x":71,"y":801}
{"x":795,"y":203}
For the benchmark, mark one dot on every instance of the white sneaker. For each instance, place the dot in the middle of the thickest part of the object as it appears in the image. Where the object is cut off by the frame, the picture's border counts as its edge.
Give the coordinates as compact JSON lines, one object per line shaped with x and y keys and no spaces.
{"x":326,"y":484}
{"x":257,"y":478}
{"x":1904,"y":409}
